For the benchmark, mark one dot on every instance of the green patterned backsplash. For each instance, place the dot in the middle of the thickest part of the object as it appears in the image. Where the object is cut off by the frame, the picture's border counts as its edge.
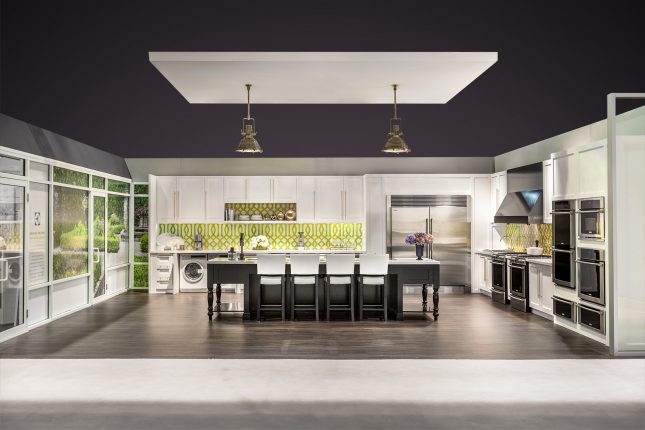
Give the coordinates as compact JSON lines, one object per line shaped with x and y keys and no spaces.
{"x":521,"y":236}
{"x":280,"y":235}
{"x":264,"y":209}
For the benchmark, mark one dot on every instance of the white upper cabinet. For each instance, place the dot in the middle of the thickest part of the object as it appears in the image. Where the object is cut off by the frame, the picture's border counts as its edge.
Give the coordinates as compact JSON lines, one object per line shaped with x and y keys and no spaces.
{"x":329,"y":198}
{"x":285,"y":189}
{"x":547,"y":193}
{"x":306,"y":199}
{"x":353,"y":199}
{"x":234,"y":189}
{"x":258,"y":189}
{"x":498,"y":190}
{"x":592,"y":170}
{"x":214,"y":198}
{"x":166,"y":198}
{"x":191,"y":199}
{"x":565,"y":176}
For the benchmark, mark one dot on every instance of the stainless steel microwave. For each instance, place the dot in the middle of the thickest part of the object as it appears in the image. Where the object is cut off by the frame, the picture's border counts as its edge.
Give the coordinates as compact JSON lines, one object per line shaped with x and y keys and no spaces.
{"x":591,"y":219}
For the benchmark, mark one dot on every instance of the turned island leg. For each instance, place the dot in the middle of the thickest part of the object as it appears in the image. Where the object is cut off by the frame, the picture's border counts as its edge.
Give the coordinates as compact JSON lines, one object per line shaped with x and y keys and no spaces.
{"x":218,"y":295}
{"x":424,"y":297}
{"x":209,"y":297}
{"x":435,"y":301}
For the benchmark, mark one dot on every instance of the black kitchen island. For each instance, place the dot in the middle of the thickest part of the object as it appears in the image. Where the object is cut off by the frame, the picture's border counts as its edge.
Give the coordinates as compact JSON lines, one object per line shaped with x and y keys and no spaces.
{"x":400,"y":272}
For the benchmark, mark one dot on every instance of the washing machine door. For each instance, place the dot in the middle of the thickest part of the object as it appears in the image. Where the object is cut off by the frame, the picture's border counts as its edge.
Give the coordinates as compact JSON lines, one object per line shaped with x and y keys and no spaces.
{"x":193,"y":272}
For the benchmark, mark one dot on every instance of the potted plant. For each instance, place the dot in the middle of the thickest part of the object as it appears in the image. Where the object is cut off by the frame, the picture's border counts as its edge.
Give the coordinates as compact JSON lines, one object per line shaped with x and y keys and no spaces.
{"x":419,"y":240}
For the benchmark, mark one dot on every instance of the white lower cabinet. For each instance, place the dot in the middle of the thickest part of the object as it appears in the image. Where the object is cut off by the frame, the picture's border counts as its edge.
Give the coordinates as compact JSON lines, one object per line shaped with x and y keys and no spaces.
{"x":483,"y":272}
{"x":541,"y":289}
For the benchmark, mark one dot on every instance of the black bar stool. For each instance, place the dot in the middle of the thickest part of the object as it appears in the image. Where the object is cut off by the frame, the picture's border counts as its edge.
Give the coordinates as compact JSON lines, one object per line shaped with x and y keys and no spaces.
{"x":304,"y":272}
{"x":339,"y":273}
{"x":271,"y":272}
{"x":373,"y":272}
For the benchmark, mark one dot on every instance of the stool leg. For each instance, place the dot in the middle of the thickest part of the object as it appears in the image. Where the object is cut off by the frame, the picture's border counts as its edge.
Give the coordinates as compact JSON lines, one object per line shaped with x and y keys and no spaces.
{"x":385,"y":291}
{"x":316,"y":297}
{"x":292,"y":289}
{"x":260,"y":302}
{"x":282,"y":291}
{"x":359,"y":286}
{"x":351,"y":299}
{"x":327,"y":292}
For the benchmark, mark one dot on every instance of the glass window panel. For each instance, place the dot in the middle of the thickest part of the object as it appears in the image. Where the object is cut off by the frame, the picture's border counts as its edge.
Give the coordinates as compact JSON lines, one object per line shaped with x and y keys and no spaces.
{"x":70,"y":232}
{"x":38,"y":171}
{"x":13,"y":166}
{"x":141,"y":189}
{"x":117,"y":230}
{"x":98,"y":253}
{"x":71,"y":177}
{"x":12,"y":203}
{"x":98,"y":182}
{"x":38,"y":219}
{"x":140,"y":213}
{"x":118,"y":186}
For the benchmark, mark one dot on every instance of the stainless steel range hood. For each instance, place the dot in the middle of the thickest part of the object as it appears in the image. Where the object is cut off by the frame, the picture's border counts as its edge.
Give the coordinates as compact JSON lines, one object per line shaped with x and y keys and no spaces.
{"x":523,"y":201}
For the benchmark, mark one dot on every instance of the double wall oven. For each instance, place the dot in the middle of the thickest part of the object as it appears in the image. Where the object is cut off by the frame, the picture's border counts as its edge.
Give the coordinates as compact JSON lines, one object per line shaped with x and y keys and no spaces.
{"x":591,"y":275}
{"x":563,"y":251}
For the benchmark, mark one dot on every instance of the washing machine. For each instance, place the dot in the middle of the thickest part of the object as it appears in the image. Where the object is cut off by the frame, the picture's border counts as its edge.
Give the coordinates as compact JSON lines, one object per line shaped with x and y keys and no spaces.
{"x":192,"y":277}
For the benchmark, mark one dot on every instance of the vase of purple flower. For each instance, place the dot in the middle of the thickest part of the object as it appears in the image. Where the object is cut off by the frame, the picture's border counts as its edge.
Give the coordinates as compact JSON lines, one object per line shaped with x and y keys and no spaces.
{"x":419,"y":240}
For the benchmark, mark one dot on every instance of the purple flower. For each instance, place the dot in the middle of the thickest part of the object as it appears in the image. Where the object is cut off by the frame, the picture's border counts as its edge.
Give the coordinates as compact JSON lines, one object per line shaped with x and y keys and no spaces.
{"x":419,"y":238}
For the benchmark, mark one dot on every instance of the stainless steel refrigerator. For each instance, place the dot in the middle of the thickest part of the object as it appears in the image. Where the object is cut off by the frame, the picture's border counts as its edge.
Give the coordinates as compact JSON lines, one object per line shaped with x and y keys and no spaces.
{"x":447,"y":219}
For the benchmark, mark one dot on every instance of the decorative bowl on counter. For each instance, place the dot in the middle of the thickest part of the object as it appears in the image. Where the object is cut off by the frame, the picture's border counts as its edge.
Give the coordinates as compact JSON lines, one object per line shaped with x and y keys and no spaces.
{"x":534,"y":250}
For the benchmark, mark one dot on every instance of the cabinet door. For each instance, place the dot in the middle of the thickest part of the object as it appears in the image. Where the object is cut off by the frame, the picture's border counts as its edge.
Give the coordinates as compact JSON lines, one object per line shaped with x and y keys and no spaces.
{"x":234,"y":189}
{"x":353,"y":199}
{"x":166,"y":199}
{"x":565,"y":178}
{"x":258,"y":189}
{"x":489,"y":274}
{"x":191,"y":199}
{"x":285,"y":189}
{"x":548,"y":289}
{"x":214,"y":198}
{"x":534,"y":287}
{"x":329,"y":199}
{"x":547,"y":185}
{"x":482,"y":273}
{"x":306,"y":199}
{"x":502,"y":189}
{"x":592,"y":171}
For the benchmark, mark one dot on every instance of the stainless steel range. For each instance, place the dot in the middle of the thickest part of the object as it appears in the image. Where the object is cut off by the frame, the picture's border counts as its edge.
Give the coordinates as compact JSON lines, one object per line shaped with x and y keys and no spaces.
{"x":499,"y":292}
{"x":518,"y":280}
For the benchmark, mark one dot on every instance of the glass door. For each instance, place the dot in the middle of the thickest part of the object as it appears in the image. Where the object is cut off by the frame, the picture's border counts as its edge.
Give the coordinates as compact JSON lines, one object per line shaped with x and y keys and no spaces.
{"x":12,"y":288}
{"x":98,"y":245}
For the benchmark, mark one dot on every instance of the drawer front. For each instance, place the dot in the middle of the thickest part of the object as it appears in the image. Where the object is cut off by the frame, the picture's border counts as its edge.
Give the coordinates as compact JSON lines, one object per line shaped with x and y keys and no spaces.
{"x":417,"y":276}
{"x":591,"y":318}
{"x":564,"y":309}
{"x":231,"y":275}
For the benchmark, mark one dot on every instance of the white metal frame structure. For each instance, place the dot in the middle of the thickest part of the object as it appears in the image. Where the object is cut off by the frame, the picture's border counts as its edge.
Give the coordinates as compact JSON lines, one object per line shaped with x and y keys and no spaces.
{"x":51,"y":285}
{"x":625,"y":242}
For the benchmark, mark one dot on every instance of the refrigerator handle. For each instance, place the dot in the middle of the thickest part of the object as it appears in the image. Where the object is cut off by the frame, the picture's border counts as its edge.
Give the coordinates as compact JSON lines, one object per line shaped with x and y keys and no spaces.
{"x":429,"y":230}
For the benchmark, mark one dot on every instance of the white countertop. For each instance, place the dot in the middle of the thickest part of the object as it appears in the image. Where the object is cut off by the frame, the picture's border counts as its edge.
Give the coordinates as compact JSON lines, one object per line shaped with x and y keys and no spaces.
{"x":269,"y":251}
{"x":542,"y":261}
{"x":396,"y":261}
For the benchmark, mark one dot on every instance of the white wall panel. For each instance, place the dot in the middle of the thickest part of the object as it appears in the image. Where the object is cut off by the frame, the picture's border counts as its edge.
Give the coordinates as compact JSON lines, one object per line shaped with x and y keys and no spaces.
{"x":38,"y":305}
{"x":117,"y":279}
{"x":70,"y":295}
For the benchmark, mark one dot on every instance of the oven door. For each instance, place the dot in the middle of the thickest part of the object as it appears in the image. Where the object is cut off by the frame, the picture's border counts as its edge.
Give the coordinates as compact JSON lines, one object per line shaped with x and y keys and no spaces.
{"x":591,"y":225}
{"x":517,"y":280}
{"x":563,"y":229}
{"x":498,"y":275}
{"x":563,"y":273}
{"x":591,"y":281}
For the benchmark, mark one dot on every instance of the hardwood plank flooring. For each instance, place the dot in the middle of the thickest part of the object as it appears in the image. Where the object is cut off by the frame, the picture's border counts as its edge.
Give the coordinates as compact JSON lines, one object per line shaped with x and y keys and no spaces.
{"x":138,"y":325}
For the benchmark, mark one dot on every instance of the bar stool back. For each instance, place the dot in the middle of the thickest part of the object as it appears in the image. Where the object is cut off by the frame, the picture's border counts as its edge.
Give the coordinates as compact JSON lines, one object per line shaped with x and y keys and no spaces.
{"x":271,"y":271}
{"x":373,"y":271}
{"x":304,"y":271}
{"x":339,"y":271}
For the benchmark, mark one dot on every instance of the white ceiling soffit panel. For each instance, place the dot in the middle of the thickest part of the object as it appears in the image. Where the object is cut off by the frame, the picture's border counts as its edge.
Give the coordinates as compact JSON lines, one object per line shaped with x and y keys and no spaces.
{"x":321,"y":77}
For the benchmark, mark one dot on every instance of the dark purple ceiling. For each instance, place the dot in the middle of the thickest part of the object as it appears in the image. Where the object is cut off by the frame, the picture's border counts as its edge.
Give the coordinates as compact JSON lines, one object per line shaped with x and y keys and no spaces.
{"x":81,"y":69}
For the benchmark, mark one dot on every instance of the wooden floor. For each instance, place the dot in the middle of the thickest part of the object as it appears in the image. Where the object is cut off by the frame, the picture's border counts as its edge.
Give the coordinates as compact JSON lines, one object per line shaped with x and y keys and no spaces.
{"x":138,"y":325}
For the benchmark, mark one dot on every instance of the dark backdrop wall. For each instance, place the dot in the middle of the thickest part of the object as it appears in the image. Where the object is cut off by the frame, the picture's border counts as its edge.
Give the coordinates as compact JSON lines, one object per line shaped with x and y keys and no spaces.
{"x":81,"y":69}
